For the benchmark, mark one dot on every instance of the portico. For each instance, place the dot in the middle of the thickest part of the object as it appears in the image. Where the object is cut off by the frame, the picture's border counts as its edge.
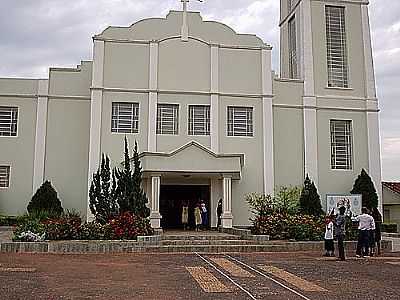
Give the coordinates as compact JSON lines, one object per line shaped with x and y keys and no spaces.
{"x":192,"y":164}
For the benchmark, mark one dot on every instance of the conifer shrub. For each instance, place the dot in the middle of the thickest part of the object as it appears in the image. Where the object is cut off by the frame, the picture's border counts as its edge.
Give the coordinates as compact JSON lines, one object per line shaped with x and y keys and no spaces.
{"x":45,"y":201}
{"x":363,"y":185}
{"x":310,"y":202}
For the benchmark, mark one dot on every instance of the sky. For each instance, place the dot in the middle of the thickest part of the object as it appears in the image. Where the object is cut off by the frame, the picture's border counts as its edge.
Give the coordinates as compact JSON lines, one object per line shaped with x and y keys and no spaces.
{"x":38,"y":34}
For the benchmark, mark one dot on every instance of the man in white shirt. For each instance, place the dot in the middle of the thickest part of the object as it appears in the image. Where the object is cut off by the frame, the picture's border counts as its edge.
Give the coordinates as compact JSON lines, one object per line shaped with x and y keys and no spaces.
{"x":366,"y":224}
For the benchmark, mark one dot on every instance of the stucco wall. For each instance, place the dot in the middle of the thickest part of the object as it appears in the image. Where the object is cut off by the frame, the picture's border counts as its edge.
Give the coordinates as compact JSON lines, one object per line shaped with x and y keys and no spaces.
{"x":18,"y":152}
{"x":340,"y":181}
{"x":67,"y":149}
{"x":354,"y":49}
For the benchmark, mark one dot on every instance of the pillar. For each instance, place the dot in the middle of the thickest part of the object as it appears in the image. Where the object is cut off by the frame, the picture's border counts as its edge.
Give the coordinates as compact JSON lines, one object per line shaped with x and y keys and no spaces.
{"x":155,"y":216}
{"x":227,"y":217}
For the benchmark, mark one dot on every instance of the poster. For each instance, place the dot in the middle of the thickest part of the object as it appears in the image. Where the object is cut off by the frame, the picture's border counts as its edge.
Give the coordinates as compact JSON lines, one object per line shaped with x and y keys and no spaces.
{"x":352,"y":203}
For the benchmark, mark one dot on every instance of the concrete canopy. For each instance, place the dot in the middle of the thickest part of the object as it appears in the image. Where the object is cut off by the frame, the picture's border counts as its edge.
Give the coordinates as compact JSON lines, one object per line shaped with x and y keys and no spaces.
{"x":193,"y":159}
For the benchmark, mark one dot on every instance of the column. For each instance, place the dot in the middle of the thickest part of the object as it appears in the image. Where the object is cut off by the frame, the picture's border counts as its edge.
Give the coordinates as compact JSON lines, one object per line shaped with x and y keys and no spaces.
{"x":95,"y":115}
{"x":153,"y":96}
{"x":155,"y":217}
{"x":214,"y":98}
{"x":40,"y":137}
{"x":309,"y":99}
{"x":268,"y":122}
{"x":227,"y":217}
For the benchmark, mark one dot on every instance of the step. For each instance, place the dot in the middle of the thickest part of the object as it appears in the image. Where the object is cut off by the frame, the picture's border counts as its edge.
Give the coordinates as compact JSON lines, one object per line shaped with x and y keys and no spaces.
{"x":216,"y":248}
{"x":198,"y":237}
{"x":205,"y":242}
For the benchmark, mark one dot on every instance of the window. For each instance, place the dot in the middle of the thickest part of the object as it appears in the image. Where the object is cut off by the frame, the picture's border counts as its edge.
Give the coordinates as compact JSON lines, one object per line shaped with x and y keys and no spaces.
{"x":125,"y":117}
{"x":341,"y":145}
{"x":292,"y":49}
{"x":336,"y":47}
{"x":240,"y":121}
{"x":290,"y":5}
{"x":199,"y":120}
{"x":167,"y":118}
{"x":4,"y":176}
{"x":8,"y":121}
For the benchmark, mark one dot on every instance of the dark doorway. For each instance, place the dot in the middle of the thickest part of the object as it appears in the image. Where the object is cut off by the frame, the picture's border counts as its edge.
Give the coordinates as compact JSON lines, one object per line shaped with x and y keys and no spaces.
{"x":172,"y":198}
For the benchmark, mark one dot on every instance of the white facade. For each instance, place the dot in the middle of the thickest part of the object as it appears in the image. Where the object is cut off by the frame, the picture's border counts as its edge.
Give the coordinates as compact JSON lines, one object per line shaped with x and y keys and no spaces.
{"x":206,"y":110}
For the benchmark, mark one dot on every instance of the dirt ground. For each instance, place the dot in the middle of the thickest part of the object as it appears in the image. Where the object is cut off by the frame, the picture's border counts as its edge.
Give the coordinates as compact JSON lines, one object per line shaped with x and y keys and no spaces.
{"x":192,"y":276}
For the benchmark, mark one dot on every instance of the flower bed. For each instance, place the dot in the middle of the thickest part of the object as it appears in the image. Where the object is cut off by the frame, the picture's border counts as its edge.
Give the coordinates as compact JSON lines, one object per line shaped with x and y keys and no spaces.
{"x":70,"y":227}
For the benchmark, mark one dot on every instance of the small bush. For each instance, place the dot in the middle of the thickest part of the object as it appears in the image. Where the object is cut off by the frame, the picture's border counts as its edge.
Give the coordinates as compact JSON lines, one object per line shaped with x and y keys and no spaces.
{"x":127,"y":226}
{"x":67,"y":227}
{"x":389,"y":227}
{"x":95,"y":231}
{"x":45,"y":200}
{"x":28,"y":224}
{"x":284,"y":227}
{"x":8,"y":221}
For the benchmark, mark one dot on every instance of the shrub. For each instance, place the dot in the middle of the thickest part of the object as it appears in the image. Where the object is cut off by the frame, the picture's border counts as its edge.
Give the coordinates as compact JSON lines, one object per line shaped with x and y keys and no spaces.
{"x":389,"y":227}
{"x":287,"y":200}
{"x":127,"y":226}
{"x":95,"y":231}
{"x":261,"y":205}
{"x":364,"y":186}
{"x":310,"y":202}
{"x":285,"y":226}
{"x":45,"y":200}
{"x":8,"y":221}
{"x":27,"y":224}
{"x":66,"y":227}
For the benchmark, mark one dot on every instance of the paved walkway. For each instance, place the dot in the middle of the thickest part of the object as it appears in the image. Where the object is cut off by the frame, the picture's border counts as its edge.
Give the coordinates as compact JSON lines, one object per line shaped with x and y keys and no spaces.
{"x":271,"y":276}
{"x":5,"y":236}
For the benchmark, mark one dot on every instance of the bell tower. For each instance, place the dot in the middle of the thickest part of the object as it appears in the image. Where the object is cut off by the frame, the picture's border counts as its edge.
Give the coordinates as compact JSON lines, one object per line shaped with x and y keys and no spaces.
{"x":327,"y":44}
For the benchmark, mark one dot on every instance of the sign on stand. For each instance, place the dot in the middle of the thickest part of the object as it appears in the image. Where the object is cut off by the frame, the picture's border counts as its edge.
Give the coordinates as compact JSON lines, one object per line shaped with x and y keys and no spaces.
{"x":352,"y":203}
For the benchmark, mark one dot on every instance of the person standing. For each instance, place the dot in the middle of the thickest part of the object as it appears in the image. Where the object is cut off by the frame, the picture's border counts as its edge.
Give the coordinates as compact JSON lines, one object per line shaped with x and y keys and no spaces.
{"x":197,"y":216}
{"x":185,"y":215}
{"x":378,"y":224}
{"x":219,"y":213}
{"x":365,"y":225}
{"x":204,"y":215}
{"x":340,"y":231}
{"x":329,"y":246}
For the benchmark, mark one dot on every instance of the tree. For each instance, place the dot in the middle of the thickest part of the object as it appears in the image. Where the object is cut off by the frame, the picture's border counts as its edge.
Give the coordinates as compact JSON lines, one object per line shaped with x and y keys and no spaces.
{"x":139,"y":195}
{"x":45,"y":200}
{"x":310,"y":202}
{"x":102,"y":202}
{"x":364,"y":186}
{"x":286,"y":199}
{"x":130,"y":195}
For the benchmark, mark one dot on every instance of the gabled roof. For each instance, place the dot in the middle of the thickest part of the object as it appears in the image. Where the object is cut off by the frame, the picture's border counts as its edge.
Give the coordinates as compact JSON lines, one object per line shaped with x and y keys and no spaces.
{"x":393,"y":186}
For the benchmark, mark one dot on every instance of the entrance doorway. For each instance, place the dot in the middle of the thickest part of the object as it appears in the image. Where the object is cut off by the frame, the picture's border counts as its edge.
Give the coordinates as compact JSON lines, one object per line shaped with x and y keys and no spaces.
{"x":173,"y":196}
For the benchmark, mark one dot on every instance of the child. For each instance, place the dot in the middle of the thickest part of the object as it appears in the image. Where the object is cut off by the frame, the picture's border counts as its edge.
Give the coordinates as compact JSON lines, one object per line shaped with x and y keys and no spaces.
{"x":329,"y":246}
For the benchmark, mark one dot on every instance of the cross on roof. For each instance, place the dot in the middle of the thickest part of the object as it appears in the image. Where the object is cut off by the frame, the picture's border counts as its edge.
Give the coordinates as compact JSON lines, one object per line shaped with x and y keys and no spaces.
{"x":185,"y":29}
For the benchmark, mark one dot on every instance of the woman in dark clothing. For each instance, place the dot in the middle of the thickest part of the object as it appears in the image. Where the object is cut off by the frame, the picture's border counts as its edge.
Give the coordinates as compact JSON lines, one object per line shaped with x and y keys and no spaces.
{"x":377,"y":236}
{"x":219,"y":212}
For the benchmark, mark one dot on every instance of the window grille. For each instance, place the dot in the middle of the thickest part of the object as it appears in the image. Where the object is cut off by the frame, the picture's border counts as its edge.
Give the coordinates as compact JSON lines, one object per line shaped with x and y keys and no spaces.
{"x":8,"y":121}
{"x":292,"y":49}
{"x":289,"y":5}
{"x":341,"y":145}
{"x":240,"y":121}
{"x":199,"y":120}
{"x":336,"y":47}
{"x":125,"y":117}
{"x":4,"y":176}
{"x":167,"y":118}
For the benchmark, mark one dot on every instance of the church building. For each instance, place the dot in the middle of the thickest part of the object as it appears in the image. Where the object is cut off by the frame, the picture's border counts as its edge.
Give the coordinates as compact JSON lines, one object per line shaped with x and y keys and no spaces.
{"x":211,"y":118}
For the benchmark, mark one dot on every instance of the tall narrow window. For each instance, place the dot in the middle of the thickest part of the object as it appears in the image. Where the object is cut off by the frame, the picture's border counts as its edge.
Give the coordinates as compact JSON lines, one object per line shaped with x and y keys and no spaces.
{"x":289,"y":5}
{"x":125,"y":117}
{"x":8,"y":121}
{"x":292,"y":48}
{"x":4,"y":176}
{"x":240,"y":121}
{"x":341,"y":145}
{"x":167,"y":118}
{"x":336,"y":47}
{"x":199,"y":120}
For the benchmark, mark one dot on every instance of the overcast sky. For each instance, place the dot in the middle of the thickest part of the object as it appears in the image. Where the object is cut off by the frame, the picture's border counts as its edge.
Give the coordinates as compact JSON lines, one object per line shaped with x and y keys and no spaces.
{"x":37,"y":34}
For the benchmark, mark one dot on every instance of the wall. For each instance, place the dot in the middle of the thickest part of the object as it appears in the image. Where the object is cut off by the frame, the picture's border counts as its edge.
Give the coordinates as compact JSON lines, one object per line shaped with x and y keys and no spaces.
{"x":18,"y":152}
